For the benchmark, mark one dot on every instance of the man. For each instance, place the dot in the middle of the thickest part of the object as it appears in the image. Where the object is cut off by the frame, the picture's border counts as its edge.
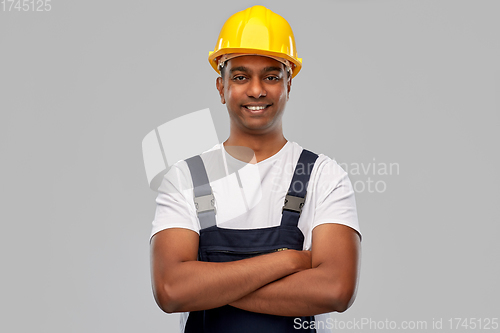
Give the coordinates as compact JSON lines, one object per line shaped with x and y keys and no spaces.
{"x":255,"y":258}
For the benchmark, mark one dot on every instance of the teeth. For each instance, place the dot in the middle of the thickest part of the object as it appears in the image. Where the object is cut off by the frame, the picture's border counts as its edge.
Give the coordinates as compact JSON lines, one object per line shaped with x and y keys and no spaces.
{"x":255,"y":108}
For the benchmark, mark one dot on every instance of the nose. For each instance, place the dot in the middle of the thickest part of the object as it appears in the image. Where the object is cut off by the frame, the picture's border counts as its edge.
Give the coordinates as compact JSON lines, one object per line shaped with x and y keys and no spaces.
{"x":256,"y":89}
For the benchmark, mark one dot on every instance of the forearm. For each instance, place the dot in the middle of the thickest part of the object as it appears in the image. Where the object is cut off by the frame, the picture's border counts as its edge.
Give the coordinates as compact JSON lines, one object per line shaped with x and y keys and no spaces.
{"x":305,"y":293}
{"x":197,"y":285}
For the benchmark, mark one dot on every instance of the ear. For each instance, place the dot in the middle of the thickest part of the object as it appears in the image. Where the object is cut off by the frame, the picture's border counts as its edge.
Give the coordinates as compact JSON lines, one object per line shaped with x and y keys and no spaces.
{"x":288,"y":87}
{"x":219,"y":84}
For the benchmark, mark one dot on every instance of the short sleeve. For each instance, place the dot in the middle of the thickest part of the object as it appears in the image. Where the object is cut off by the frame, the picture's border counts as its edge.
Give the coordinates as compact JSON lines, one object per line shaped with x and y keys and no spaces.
{"x":335,"y":201}
{"x":174,"y":203}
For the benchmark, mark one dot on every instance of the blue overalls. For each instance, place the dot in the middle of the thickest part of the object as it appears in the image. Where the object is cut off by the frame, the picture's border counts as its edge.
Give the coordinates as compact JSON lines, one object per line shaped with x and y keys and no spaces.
{"x":224,"y":245}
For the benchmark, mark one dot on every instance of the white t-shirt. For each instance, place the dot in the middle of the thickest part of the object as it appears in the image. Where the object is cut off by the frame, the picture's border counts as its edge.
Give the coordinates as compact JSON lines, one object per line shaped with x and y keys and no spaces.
{"x":251,"y":196}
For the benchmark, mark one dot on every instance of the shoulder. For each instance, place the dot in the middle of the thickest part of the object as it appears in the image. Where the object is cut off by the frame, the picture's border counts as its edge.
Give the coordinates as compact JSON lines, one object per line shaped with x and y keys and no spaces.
{"x":328,"y":167}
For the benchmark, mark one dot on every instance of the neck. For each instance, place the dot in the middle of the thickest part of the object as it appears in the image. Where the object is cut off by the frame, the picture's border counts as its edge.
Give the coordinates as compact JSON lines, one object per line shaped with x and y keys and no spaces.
{"x":264,"y":145}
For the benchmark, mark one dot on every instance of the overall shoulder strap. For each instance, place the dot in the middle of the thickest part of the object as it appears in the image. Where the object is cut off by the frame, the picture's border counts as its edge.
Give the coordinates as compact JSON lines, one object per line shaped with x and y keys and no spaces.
{"x":296,"y":196}
{"x":203,"y":197}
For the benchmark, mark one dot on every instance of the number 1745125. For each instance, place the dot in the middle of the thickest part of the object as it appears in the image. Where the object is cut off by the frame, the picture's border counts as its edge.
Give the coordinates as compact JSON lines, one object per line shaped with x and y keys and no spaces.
{"x":26,"y":5}
{"x":473,"y":323}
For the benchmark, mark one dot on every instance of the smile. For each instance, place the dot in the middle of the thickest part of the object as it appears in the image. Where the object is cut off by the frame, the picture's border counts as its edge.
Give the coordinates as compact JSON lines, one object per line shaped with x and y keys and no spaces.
{"x":255,"y":108}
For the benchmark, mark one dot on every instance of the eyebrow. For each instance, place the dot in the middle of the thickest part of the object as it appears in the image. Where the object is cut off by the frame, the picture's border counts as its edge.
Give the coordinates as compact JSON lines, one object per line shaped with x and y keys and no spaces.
{"x":272,"y":69}
{"x":246,"y":70}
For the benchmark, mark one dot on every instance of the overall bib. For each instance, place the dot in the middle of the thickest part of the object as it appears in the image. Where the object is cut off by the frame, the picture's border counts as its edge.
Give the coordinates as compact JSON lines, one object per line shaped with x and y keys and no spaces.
{"x":224,"y":245}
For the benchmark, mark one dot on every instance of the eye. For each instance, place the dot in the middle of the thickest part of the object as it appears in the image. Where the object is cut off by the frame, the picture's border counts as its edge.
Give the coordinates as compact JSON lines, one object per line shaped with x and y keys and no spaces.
{"x":272,"y":78}
{"x":239,"y":78}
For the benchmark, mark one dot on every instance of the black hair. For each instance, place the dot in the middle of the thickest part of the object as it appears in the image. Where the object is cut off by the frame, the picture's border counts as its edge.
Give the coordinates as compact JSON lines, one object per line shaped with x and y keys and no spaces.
{"x":223,"y":70}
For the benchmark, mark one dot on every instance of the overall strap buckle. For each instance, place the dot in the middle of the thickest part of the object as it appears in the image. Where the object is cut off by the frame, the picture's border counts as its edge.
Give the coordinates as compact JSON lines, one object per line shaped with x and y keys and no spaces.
{"x":204,"y":199}
{"x":205,"y":203}
{"x":293,"y":203}
{"x":296,"y":196}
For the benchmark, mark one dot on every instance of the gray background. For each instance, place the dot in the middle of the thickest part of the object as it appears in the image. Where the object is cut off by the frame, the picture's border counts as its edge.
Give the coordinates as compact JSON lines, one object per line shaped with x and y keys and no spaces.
{"x":410,"y":82}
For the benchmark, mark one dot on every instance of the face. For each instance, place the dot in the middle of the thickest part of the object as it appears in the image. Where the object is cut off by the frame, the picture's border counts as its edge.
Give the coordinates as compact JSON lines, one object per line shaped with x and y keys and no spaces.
{"x":255,"y":90}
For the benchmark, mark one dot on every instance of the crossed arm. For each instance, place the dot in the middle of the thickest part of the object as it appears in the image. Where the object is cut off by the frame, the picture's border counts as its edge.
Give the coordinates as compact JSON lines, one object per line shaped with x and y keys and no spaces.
{"x":287,"y":283}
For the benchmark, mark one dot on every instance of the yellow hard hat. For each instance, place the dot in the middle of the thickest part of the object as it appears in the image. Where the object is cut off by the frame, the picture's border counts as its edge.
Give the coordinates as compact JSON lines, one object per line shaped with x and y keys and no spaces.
{"x":256,"y":30}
